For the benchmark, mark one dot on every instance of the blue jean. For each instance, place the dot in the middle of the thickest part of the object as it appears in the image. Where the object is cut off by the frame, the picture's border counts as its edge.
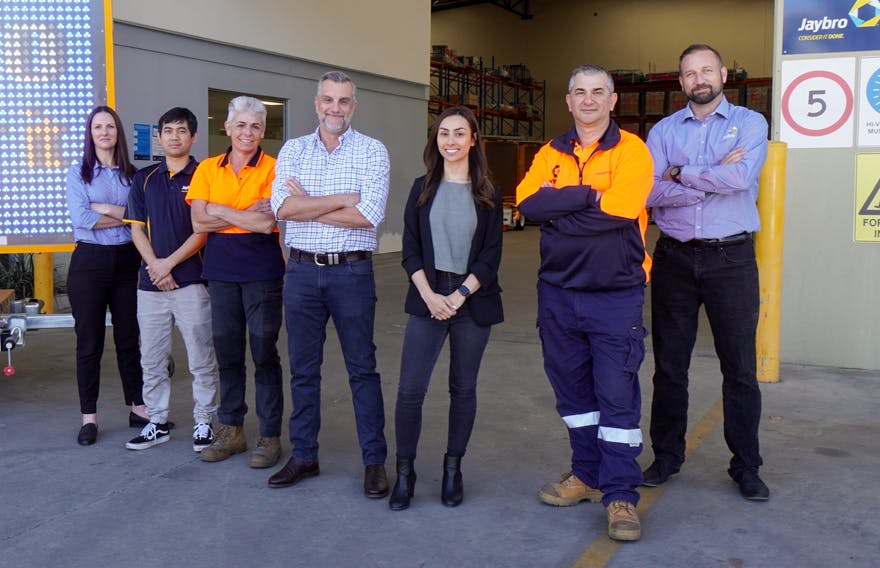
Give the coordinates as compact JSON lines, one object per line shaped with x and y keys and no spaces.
{"x":347,"y":293}
{"x":594,"y":343}
{"x":725,"y":280}
{"x":422,"y":344}
{"x":255,"y":307}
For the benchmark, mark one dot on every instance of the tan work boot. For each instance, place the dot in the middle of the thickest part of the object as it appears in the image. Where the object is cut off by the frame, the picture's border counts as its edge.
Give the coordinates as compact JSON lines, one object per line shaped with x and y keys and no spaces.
{"x":266,"y":453}
{"x":568,"y":491}
{"x":228,"y":440}
{"x":623,"y":521}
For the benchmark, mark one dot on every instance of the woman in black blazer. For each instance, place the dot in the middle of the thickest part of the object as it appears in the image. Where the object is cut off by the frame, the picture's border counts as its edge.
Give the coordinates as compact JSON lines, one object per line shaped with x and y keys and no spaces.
{"x":451,"y":253}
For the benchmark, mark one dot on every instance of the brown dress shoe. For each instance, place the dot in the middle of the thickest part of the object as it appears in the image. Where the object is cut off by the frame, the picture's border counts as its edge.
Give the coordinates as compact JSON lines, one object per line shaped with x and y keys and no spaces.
{"x":294,"y":471}
{"x":375,"y":481}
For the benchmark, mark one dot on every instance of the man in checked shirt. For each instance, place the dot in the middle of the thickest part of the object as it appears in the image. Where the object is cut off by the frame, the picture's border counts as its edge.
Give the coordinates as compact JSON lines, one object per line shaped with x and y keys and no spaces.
{"x":330,"y":187}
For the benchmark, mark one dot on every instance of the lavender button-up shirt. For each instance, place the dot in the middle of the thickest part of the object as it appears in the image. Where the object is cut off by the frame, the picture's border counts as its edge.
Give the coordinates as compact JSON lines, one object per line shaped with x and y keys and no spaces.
{"x":713,"y":200}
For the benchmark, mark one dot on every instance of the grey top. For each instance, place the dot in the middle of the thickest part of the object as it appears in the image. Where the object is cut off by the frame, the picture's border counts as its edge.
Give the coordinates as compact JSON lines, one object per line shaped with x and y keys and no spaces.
{"x":453,"y":221}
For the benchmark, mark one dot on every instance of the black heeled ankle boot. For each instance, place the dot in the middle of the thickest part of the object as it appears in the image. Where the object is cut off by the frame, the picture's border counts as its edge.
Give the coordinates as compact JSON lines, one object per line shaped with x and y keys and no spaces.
{"x":452,"y":491}
{"x":404,"y":487}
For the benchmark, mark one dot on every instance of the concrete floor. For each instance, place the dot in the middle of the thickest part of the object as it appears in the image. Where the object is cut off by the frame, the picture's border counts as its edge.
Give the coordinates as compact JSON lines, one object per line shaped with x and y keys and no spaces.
{"x":65,"y":505}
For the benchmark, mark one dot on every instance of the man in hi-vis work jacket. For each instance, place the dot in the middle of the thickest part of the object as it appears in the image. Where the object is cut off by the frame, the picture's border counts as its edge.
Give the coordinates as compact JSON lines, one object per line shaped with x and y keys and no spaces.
{"x":588,"y":188}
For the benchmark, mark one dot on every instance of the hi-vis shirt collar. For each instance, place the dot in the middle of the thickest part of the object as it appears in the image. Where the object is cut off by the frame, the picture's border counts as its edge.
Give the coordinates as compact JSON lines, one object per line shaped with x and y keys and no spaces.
{"x":190,"y":167}
{"x":566,"y":143}
{"x":255,"y":159}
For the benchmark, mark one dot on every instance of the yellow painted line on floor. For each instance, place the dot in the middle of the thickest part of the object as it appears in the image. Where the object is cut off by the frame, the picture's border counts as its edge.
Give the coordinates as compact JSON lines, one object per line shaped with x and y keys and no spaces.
{"x":603,"y":548}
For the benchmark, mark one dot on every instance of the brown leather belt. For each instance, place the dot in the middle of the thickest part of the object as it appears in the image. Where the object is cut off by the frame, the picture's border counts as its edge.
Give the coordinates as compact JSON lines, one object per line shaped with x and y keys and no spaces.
{"x":330,"y":258}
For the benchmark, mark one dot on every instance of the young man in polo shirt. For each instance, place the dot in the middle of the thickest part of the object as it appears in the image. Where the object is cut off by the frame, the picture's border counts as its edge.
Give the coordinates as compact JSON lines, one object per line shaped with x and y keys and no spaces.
{"x":171,"y":289}
{"x":244,"y":266}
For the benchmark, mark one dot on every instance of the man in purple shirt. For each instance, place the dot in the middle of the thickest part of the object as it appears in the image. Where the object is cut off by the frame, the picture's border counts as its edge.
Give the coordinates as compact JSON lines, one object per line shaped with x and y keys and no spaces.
{"x":707,"y":158}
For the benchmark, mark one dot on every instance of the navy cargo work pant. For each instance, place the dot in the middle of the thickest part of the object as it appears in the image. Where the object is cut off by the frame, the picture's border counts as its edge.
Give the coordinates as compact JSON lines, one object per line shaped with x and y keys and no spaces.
{"x":594,"y":343}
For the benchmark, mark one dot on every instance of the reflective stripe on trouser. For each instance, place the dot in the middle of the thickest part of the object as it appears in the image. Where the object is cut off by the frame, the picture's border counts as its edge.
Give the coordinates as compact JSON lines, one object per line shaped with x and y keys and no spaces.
{"x":158,"y":312}
{"x":593,"y":344}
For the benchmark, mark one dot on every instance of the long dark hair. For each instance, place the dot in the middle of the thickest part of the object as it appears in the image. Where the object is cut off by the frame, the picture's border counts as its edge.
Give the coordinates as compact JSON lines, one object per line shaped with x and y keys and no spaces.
{"x":120,"y":153}
{"x":478,"y":167}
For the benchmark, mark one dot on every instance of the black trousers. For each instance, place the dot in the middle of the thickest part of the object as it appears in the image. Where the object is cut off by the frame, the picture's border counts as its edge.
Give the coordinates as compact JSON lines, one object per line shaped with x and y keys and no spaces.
{"x":725,"y":280}
{"x":102,"y":276}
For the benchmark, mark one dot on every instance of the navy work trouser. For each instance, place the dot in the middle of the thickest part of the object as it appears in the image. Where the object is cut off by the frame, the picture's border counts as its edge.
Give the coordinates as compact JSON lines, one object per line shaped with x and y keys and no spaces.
{"x":248,"y":313}
{"x":593,"y":346}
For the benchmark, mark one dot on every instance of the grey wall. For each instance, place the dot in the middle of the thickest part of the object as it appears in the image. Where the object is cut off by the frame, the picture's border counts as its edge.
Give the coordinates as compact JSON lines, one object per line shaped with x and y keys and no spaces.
{"x":829,"y":282}
{"x":156,"y":71}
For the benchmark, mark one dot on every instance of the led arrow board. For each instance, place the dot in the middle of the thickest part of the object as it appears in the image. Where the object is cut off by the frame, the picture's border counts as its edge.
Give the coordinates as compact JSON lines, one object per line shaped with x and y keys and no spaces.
{"x":52,"y":73}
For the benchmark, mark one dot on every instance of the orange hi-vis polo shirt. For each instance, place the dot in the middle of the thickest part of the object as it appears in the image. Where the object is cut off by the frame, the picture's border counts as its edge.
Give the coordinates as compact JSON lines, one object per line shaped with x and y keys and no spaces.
{"x":235,"y":254}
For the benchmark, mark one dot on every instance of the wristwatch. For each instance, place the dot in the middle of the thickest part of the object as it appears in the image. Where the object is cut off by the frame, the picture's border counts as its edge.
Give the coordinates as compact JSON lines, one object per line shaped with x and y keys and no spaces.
{"x":464,"y":291}
{"x":675,"y":173}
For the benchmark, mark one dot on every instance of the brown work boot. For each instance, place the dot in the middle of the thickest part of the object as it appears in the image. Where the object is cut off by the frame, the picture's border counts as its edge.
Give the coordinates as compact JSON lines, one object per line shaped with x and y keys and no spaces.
{"x":228,"y":440}
{"x":266,"y":453}
{"x":568,"y":491}
{"x":623,"y":521}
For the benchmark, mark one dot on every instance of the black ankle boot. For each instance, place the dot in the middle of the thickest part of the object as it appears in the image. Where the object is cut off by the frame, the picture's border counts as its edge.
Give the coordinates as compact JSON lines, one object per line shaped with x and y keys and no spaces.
{"x":452,"y":491}
{"x":404,"y":486}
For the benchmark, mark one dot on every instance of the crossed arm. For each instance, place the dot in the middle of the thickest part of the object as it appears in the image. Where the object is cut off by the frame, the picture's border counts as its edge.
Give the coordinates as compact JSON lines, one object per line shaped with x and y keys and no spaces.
{"x":210,"y":217}
{"x":337,"y":209}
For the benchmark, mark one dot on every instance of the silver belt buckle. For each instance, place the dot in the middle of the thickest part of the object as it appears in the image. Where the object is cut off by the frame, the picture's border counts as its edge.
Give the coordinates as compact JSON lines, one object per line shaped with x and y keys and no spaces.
{"x":332,"y":258}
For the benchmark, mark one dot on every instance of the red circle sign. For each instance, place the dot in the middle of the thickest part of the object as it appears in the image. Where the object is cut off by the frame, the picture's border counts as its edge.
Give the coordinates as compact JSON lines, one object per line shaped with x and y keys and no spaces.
{"x":786,"y":98}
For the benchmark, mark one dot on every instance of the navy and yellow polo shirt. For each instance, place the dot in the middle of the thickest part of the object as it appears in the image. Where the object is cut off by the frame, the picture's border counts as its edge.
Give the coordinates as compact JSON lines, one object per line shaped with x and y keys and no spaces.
{"x":157,"y":200}
{"x":235,"y":254}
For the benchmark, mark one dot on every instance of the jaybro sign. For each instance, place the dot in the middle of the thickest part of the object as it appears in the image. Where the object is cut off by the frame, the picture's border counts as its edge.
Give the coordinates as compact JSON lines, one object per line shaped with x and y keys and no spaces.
{"x":826,"y":26}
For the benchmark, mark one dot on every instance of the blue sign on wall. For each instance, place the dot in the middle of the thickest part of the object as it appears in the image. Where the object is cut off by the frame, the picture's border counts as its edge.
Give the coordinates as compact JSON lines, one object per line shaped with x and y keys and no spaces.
{"x":828,"y":26}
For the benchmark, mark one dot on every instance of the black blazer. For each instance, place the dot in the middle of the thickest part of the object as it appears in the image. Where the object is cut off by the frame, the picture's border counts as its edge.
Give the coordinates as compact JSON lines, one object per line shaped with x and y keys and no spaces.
{"x":483,"y":260}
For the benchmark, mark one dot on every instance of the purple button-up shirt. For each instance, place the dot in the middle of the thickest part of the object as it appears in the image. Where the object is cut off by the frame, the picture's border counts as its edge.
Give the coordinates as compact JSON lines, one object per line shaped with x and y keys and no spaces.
{"x":713,"y":200}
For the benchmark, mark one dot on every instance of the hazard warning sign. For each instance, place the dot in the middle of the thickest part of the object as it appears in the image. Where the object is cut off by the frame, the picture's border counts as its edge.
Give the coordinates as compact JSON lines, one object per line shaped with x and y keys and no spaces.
{"x":867,"y":202}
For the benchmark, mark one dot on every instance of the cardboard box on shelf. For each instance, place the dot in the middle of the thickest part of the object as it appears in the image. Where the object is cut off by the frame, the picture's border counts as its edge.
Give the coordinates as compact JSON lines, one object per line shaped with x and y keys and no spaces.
{"x":655,"y":102}
{"x":628,"y":103}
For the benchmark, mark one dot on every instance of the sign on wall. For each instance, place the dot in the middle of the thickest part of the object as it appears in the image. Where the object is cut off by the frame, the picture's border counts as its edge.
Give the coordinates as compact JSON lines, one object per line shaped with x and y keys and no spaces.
{"x":817,"y":103}
{"x":867,"y":201}
{"x":830,"y":26}
{"x":869,"y":105}
{"x":52,"y":56}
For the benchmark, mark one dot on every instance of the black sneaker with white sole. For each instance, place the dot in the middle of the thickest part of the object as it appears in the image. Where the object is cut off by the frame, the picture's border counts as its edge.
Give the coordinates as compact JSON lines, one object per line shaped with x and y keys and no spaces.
{"x":203,"y":435}
{"x":152,"y":434}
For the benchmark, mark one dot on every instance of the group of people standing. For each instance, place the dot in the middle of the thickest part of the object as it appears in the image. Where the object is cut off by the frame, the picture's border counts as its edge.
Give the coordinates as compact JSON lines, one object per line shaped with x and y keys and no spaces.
{"x":206,"y":238}
{"x":213,"y":266}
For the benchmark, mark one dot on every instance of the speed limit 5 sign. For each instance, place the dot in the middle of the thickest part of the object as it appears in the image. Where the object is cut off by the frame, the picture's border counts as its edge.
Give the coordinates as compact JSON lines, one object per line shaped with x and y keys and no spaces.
{"x":817,"y":103}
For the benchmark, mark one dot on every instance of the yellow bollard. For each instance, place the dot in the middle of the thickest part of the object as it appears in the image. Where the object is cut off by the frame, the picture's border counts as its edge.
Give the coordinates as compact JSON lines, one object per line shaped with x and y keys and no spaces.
{"x":44,"y":281}
{"x":768,"y":248}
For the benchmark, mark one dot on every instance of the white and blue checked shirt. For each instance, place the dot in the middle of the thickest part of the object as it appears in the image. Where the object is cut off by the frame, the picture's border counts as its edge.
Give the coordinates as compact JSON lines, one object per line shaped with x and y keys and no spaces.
{"x":358,"y":165}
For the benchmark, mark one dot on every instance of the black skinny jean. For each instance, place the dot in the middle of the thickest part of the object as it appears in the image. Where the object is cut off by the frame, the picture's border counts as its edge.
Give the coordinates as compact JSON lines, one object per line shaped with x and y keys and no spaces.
{"x":422,"y":344}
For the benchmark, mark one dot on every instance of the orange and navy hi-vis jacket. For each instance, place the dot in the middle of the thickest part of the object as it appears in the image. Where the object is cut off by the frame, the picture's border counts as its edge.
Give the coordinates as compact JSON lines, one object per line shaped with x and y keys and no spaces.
{"x":591,"y":203}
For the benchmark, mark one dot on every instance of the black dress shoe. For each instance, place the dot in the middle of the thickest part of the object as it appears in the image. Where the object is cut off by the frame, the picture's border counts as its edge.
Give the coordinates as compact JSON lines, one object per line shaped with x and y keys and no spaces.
{"x":751,"y":487}
{"x":375,"y":481}
{"x":657,"y":474}
{"x":294,"y":471}
{"x":87,"y":434}
{"x":137,"y":421}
